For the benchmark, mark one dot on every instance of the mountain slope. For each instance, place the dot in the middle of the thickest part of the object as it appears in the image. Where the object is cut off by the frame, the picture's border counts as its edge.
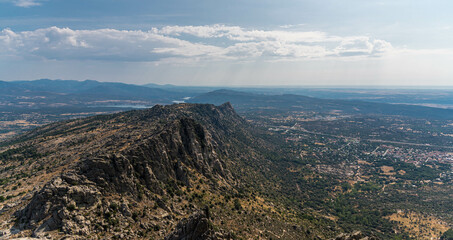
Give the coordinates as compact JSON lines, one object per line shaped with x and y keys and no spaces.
{"x":187,"y":171}
{"x":139,"y":173}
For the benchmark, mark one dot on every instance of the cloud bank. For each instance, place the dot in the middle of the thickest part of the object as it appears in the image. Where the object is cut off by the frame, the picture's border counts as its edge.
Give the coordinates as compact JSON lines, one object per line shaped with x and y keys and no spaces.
{"x":186,"y":43}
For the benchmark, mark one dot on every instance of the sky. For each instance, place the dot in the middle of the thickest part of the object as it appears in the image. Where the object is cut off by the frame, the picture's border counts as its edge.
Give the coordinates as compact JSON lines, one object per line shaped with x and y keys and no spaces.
{"x":229,"y":43}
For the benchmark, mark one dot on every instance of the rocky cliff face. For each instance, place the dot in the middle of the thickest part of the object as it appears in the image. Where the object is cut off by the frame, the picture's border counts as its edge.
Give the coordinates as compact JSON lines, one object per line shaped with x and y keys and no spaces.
{"x":167,"y":148}
{"x":196,"y":227}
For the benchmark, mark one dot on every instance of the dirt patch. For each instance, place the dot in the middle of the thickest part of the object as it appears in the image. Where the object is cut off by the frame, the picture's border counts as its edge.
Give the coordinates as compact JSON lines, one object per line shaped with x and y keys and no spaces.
{"x":387,"y":170}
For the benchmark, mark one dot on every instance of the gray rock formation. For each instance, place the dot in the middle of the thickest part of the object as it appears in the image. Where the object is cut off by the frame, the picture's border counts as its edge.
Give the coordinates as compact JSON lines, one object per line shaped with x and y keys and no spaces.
{"x":51,"y":208}
{"x":196,"y":227}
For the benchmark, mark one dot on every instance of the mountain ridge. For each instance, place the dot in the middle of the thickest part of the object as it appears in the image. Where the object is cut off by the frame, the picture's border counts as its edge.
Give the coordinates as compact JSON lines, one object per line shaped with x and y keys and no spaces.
{"x":119,"y":163}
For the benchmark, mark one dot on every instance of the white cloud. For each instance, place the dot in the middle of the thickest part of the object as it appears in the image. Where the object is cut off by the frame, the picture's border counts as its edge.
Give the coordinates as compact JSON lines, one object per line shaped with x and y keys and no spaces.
{"x":103,"y":44}
{"x":362,"y":46}
{"x":185,"y":43}
{"x":239,"y":34}
{"x":25,"y":3}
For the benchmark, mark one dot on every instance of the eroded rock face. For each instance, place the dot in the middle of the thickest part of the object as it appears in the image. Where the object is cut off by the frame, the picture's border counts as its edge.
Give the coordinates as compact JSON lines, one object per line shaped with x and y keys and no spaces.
{"x":163,"y":157}
{"x":196,"y":227}
{"x":51,"y":207}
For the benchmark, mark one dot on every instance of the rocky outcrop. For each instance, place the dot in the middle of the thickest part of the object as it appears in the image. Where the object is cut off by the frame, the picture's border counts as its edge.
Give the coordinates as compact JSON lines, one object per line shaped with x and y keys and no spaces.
{"x":196,"y":227}
{"x":51,"y":208}
{"x":169,"y":145}
{"x":164,"y":156}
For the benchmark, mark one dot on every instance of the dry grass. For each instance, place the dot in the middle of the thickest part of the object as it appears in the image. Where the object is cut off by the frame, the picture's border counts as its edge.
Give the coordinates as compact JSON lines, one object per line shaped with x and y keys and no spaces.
{"x":418,"y":225}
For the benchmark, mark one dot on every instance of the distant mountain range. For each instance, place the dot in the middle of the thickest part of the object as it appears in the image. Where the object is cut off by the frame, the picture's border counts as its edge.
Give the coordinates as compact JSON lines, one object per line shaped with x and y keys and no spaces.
{"x":87,"y":89}
{"x":243,"y":101}
{"x":45,"y":93}
{"x":432,"y":97}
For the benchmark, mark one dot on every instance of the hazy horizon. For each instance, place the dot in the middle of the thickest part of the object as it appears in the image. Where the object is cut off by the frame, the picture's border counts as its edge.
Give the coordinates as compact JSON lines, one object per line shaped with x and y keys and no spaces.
{"x":214,"y":43}
{"x":365,"y":87}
